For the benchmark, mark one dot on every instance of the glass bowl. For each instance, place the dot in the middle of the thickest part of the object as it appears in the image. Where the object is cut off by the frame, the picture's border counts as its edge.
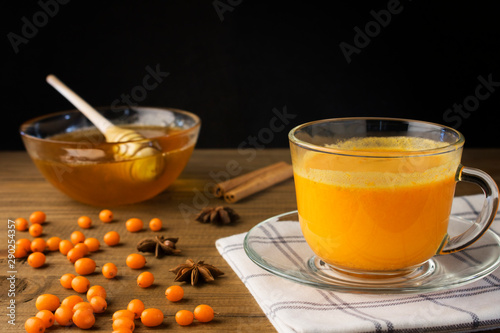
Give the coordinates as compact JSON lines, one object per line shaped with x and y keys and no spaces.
{"x":74,"y":157}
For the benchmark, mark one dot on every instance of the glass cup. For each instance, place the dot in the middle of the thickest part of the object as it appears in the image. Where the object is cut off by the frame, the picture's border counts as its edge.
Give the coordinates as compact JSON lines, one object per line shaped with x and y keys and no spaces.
{"x":374,"y":195}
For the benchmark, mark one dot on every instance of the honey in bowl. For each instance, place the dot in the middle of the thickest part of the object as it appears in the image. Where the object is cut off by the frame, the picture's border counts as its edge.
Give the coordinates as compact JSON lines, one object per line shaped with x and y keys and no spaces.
{"x":76,"y":158}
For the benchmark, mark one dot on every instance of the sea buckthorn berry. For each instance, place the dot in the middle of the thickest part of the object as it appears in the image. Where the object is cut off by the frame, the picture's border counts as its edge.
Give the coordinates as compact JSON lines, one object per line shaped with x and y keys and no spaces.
{"x":203,"y":313}
{"x":37,"y":217}
{"x":152,"y":317}
{"x":92,"y":243}
{"x":21,"y":224}
{"x":64,"y":316}
{"x":64,"y":246}
{"x":84,"y":222}
{"x":112,"y":238}
{"x":74,"y":254}
{"x":134,"y":224}
{"x":96,"y":291}
{"x":35,"y":230}
{"x":155,"y":224}
{"x":71,"y":301}
{"x":47,"y":317}
{"x":80,"y":284}
{"x":20,"y":252}
{"x":24,"y":243}
{"x":77,"y":237}
{"x":123,"y":313}
{"x":174,"y":293}
{"x":184,"y":317}
{"x":38,"y":245}
{"x":85,"y":266}
{"x":53,"y":243}
{"x":66,"y":280}
{"x":83,"y":305}
{"x":123,"y":322}
{"x":106,"y":215}
{"x":36,"y":259}
{"x":135,"y":261}
{"x":109,"y":270}
{"x":34,"y":325}
{"x":145,"y":279}
{"x":84,"y":247}
{"x":99,"y":304}
{"x":83,"y":318}
{"x":47,"y":302}
{"x":136,"y":306}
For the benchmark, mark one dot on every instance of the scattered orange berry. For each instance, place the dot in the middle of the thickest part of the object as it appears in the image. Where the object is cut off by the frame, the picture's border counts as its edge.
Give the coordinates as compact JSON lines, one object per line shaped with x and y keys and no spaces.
{"x":74,"y":254}
{"x":135,"y":261}
{"x":36,"y":259}
{"x":136,"y":306}
{"x":47,"y":302}
{"x":34,"y":325}
{"x":20,"y":252}
{"x":112,"y":238}
{"x":66,"y":280}
{"x":204,"y":313}
{"x":134,"y":224}
{"x":106,"y":215}
{"x":53,"y":243}
{"x":92,"y":243}
{"x":64,"y":316}
{"x":123,"y":313}
{"x":47,"y":317}
{"x":83,"y":318}
{"x":152,"y":317}
{"x":184,"y":317}
{"x":80,"y":284}
{"x":64,"y":246}
{"x":24,"y":243}
{"x":21,"y":224}
{"x":99,"y":304}
{"x":37,"y":217}
{"x":109,"y":270}
{"x":145,"y":279}
{"x":155,"y":224}
{"x":123,"y":322}
{"x":38,"y":245}
{"x":71,"y":301}
{"x":84,"y":222}
{"x":85,"y":266}
{"x":84,"y":247}
{"x":77,"y":237}
{"x":35,"y":230}
{"x":174,"y":293}
{"x":96,"y":291}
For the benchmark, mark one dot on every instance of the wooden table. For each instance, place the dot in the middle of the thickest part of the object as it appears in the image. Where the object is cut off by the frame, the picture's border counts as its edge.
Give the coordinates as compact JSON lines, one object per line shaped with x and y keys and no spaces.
{"x":23,"y":190}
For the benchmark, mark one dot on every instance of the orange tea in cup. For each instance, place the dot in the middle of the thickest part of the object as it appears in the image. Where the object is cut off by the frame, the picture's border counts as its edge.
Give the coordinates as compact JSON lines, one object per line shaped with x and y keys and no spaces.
{"x":375,"y":195}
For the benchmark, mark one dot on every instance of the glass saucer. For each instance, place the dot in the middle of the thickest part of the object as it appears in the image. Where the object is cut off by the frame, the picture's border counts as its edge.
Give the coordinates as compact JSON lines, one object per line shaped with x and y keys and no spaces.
{"x":278,"y":246}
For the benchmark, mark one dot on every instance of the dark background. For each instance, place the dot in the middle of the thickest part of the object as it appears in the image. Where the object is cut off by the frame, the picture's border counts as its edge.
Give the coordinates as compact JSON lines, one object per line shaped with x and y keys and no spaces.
{"x":232,"y":65}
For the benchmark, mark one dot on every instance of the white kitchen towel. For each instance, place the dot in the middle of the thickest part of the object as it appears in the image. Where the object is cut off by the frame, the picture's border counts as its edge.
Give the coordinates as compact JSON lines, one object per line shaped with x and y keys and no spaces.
{"x":293,"y":307}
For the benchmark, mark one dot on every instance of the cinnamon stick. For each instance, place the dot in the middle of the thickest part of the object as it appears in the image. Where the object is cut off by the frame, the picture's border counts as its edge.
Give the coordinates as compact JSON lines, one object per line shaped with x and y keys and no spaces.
{"x":222,"y":188}
{"x":259,"y":183}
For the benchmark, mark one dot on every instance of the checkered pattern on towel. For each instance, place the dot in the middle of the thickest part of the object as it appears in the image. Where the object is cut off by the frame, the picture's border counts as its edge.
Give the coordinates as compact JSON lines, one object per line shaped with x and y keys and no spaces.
{"x":292,"y":307}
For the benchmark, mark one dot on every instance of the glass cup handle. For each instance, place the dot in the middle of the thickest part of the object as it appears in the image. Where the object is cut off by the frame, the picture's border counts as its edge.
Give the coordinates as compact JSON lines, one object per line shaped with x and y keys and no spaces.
{"x":485,"y":217}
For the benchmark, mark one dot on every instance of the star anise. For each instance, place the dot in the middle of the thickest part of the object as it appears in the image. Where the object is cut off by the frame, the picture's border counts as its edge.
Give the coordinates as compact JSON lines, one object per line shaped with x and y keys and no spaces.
{"x":217,"y":215}
{"x":191,"y":272}
{"x":159,"y":245}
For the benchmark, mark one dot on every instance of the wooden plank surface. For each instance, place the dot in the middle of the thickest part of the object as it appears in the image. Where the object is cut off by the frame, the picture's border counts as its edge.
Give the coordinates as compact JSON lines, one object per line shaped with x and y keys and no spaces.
{"x":23,"y":190}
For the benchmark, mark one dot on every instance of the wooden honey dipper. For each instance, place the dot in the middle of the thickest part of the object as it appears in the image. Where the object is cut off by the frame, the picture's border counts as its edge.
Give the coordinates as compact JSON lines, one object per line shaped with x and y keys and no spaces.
{"x":149,"y":164}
